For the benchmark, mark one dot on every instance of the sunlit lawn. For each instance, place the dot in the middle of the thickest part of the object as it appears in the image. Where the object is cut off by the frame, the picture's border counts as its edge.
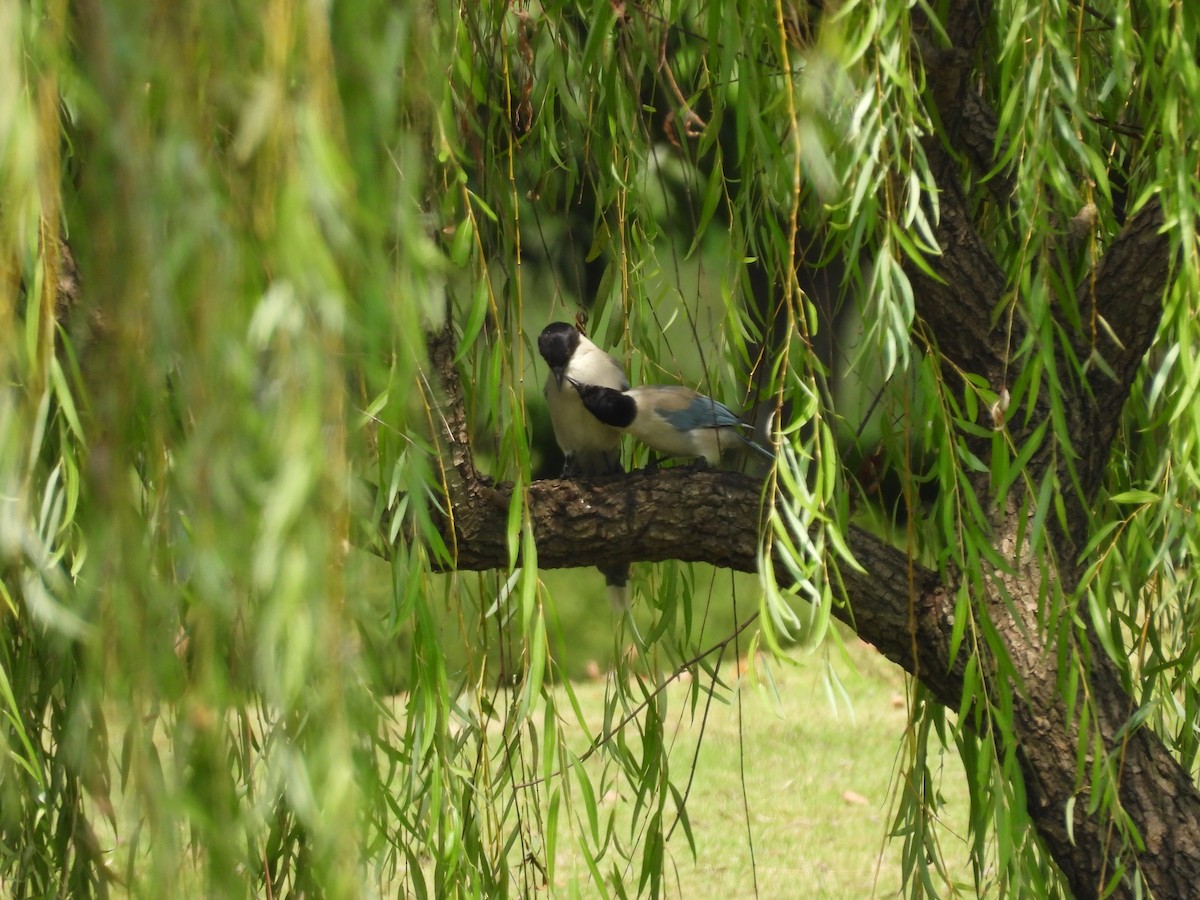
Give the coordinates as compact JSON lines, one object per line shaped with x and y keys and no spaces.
{"x":815,"y":802}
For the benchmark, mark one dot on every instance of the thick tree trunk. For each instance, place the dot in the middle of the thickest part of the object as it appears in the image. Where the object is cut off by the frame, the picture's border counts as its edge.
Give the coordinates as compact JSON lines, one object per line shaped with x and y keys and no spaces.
{"x":1150,"y":787}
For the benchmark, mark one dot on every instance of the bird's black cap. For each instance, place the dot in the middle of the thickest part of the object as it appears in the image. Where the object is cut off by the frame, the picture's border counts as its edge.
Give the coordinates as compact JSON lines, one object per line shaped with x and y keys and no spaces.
{"x":557,"y":344}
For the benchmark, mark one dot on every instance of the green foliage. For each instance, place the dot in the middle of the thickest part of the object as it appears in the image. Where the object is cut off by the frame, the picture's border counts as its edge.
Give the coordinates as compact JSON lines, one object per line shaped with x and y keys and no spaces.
{"x":272,"y":205}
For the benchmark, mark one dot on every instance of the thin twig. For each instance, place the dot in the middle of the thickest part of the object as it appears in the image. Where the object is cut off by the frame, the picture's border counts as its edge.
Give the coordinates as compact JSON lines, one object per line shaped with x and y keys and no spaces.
{"x":601,"y":739}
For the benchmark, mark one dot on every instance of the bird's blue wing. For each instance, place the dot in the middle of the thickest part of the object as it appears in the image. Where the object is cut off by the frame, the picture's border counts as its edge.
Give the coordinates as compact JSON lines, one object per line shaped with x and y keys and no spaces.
{"x":702,"y":412}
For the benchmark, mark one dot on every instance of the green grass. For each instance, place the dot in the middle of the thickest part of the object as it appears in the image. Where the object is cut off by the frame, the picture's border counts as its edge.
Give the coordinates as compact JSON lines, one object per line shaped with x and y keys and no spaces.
{"x":817,"y":796}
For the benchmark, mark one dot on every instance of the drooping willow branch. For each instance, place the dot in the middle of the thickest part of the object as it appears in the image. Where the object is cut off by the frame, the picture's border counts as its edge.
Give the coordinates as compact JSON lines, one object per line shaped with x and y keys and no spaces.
{"x":604,"y":737}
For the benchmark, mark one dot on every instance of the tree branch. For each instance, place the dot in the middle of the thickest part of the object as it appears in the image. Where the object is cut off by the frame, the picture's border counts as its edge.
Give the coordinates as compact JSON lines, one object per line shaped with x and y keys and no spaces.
{"x":1125,"y":289}
{"x":958,"y":303}
{"x":652,"y":516}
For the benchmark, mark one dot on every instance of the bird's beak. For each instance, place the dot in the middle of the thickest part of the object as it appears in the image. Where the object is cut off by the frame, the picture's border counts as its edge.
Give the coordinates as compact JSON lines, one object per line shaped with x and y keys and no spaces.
{"x":559,"y":373}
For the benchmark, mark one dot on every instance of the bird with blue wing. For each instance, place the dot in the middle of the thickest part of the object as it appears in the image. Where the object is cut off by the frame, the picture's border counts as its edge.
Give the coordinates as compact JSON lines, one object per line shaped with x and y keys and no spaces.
{"x":670,"y":419}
